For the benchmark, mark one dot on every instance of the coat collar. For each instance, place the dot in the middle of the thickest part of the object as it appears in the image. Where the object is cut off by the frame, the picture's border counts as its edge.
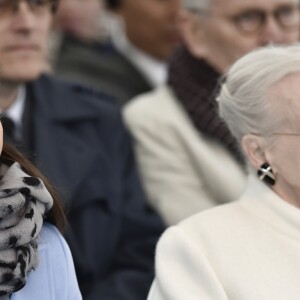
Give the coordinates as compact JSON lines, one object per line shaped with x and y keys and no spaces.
{"x":79,"y":102}
{"x":261,"y":201}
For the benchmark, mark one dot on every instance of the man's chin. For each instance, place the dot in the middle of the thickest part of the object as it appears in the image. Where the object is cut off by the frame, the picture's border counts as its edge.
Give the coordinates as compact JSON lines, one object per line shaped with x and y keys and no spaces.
{"x":20,"y":77}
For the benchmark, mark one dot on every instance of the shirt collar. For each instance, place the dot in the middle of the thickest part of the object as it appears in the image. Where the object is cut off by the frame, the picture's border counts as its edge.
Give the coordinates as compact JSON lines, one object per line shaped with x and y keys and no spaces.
{"x":16,"y":110}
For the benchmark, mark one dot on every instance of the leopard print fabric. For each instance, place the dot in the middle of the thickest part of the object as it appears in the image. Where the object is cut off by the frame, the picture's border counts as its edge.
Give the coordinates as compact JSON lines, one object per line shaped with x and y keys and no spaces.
{"x":23,"y":202}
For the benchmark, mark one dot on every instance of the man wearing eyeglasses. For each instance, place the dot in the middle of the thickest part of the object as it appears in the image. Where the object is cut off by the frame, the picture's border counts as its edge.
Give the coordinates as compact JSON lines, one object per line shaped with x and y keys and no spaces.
{"x":76,"y":137}
{"x":188,"y":159}
{"x":233,"y":28}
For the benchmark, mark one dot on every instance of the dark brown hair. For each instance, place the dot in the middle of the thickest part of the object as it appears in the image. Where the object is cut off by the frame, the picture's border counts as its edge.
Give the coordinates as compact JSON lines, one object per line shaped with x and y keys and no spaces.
{"x":56,"y":215}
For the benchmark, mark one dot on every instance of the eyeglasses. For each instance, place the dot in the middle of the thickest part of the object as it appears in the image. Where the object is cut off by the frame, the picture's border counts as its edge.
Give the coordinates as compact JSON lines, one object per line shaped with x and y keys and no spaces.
{"x":252,"y":21}
{"x":278,"y":133}
{"x":37,"y":6}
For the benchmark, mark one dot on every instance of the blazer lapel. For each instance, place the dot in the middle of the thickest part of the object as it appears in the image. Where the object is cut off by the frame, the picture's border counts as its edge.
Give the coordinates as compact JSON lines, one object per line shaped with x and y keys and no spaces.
{"x":59,"y":126}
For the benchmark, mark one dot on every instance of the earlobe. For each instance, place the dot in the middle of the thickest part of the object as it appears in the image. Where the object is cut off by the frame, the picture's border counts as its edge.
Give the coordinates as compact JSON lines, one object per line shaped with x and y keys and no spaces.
{"x":254,"y":150}
{"x":191,"y":32}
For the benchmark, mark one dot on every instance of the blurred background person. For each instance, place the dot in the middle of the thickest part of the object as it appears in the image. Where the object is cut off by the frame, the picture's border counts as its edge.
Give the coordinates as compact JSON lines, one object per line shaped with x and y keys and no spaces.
{"x":128,"y":54}
{"x":188,"y":159}
{"x":75,"y":18}
{"x":81,"y":18}
{"x":248,"y":249}
{"x":77,"y":138}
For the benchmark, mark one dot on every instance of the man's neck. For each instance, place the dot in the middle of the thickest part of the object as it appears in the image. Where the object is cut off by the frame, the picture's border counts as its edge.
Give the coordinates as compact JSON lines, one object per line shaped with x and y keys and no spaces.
{"x":8,"y":94}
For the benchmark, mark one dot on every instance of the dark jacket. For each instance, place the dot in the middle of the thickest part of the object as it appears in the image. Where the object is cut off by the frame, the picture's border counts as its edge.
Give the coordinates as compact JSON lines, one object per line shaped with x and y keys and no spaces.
{"x":102,"y":66}
{"x":81,"y":145}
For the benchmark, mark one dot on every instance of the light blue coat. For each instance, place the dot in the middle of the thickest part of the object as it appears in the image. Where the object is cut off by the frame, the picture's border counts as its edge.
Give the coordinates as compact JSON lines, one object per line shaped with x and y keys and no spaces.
{"x":54,"y":278}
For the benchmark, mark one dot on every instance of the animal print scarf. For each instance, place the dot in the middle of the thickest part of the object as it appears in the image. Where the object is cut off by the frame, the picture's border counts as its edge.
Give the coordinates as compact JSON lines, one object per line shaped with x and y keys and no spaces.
{"x":23,"y":202}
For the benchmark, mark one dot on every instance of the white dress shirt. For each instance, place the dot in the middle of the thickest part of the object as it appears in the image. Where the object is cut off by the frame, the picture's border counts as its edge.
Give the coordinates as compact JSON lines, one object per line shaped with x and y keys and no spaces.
{"x":16,"y":110}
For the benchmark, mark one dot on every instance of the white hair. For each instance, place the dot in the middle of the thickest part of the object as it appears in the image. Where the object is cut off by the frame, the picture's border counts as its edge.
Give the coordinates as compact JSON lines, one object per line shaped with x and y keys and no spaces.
{"x":243,"y":99}
{"x":197,"y":6}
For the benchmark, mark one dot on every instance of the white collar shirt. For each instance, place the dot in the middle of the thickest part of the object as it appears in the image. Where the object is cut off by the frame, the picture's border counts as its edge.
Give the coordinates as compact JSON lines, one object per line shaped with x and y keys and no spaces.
{"x":16,"y":110}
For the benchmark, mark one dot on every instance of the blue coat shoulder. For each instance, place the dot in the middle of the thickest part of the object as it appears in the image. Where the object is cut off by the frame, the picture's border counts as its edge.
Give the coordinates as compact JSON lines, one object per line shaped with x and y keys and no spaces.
{"x":54,"y":277}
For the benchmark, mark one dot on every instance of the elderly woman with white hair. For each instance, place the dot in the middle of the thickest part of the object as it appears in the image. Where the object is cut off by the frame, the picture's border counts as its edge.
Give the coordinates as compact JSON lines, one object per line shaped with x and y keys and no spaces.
{"x":248,"y":249}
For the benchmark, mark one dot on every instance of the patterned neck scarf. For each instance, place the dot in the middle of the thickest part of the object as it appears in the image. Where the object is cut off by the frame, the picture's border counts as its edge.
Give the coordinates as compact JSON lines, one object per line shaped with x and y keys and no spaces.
{"x":23,"y":202}
{"x":195,"y":84}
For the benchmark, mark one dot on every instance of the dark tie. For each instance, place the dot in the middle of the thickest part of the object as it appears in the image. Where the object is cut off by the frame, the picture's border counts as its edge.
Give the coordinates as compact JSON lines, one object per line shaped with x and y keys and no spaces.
{"x":9,"y":134}
{"x":8,"y":130}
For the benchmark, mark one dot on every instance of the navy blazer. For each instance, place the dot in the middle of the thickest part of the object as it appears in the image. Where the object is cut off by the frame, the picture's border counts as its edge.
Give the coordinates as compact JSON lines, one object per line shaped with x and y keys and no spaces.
{"x":81,"y":145}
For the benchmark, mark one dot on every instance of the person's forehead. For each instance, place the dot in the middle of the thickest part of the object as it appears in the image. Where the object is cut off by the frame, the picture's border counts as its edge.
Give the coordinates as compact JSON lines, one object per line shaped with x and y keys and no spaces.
{"x":286,"y":92}
{"x":235,"y":6}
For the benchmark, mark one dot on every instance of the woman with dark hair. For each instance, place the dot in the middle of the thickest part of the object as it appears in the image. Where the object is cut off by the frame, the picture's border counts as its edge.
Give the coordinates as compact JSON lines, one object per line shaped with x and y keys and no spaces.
{"x":35,"y":261}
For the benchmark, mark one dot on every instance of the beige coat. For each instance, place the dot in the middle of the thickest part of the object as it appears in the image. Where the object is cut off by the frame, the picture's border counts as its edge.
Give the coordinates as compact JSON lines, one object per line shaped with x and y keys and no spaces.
{"x":247,"y":250}
{"x":182,"y":171}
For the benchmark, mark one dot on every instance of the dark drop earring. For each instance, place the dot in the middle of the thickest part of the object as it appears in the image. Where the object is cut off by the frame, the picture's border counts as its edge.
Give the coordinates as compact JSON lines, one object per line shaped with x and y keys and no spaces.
{"x":265,"y":174}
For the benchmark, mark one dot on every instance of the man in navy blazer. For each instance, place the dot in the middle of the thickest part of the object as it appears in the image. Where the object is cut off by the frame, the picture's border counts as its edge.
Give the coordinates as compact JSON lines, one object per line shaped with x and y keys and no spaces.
{"x":77,"y":138}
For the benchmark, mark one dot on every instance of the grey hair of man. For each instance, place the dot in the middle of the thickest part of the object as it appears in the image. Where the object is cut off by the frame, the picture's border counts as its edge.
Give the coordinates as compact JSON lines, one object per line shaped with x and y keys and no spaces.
{"x":244,"y":99}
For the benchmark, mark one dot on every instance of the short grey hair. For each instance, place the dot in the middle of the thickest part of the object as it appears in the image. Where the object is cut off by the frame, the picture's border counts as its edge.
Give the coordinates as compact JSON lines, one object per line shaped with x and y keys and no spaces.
{"x":243,"y":98}
{"x":197,"y":6}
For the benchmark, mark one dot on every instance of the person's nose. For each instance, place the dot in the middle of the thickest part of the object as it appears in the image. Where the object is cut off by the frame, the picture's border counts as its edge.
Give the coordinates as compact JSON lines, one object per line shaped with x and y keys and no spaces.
{"x":271,"y":32}
{"x":176,"y":5}
{"x":24,"y":18}
{"x":174,"y":12}
{"x":174,"y":8}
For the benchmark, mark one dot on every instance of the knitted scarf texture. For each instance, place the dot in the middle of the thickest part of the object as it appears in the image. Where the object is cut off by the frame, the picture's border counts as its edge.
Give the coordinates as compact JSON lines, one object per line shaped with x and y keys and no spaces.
{"x":23,"y":202}
{"x":195,"y":84}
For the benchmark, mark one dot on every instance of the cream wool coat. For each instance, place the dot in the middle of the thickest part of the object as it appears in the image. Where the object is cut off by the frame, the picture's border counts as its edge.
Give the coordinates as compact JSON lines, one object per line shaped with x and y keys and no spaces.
{"x":182,"y":171}
{"x":247,"y":250}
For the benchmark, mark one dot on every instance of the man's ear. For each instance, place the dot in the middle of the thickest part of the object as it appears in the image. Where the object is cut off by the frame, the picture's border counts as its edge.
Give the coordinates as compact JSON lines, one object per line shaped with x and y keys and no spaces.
{"x":254,"y":149}
{"x":192,"y":32}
